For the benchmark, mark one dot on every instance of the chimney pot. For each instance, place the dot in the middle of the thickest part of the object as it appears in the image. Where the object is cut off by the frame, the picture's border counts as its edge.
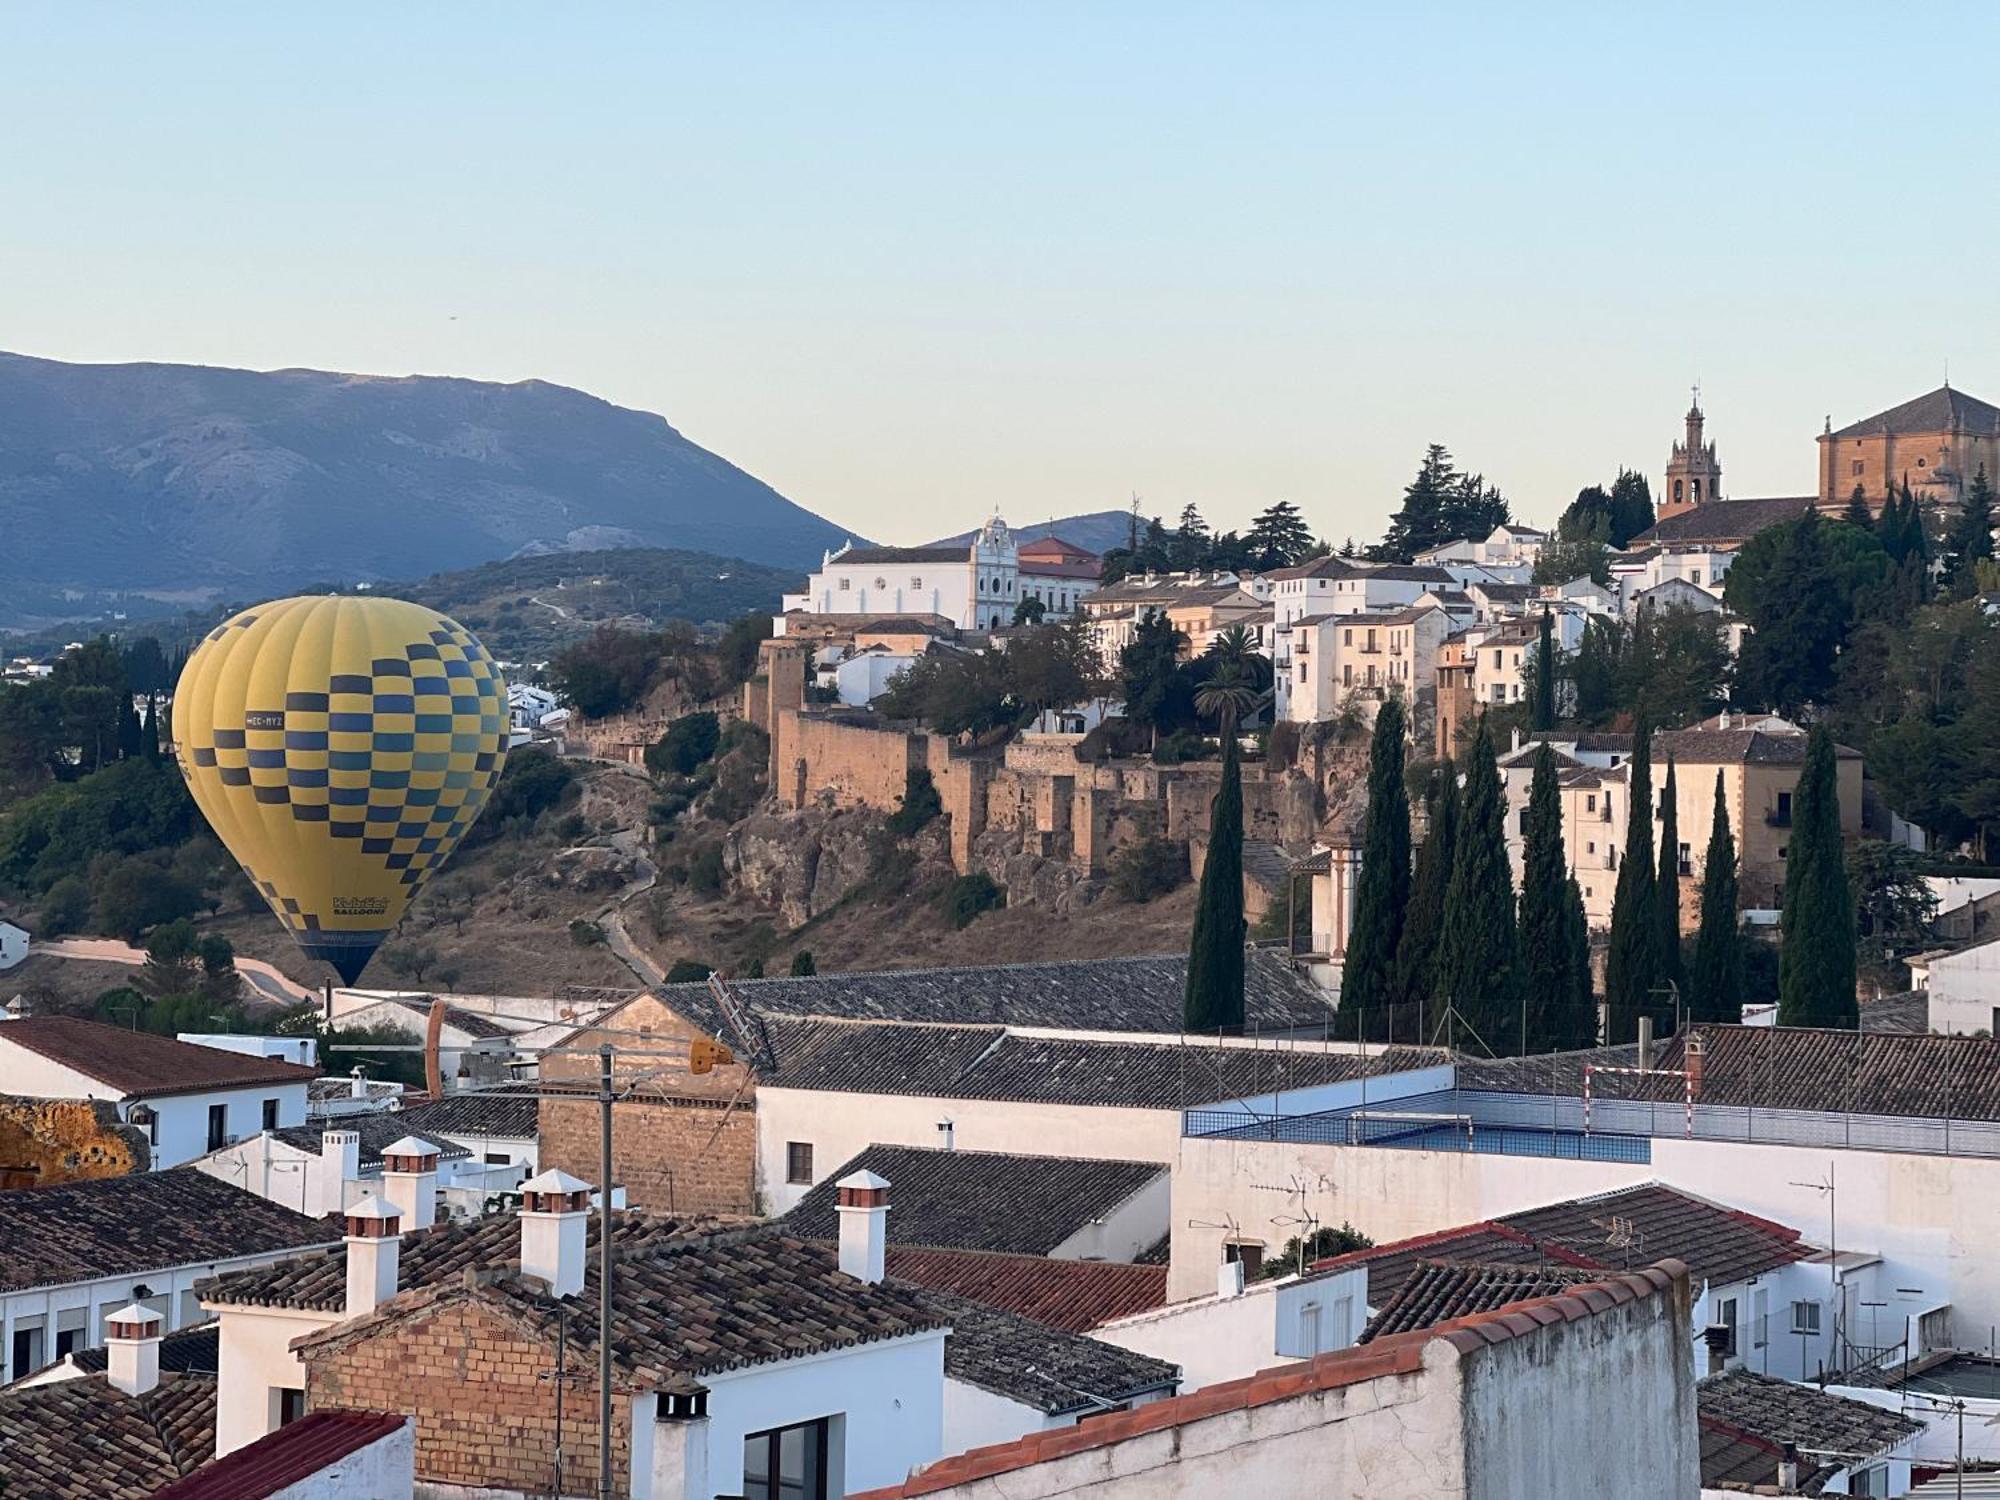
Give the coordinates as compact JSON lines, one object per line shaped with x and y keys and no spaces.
{"x":374,"y":1245}
{"x":357,"y":1087}
{"x":132,"y":1349}
{"x":555,"y":1214}
{"x":1645,"y":1041}
{"x":409,"y":1180}
{"x":862,"y":1203}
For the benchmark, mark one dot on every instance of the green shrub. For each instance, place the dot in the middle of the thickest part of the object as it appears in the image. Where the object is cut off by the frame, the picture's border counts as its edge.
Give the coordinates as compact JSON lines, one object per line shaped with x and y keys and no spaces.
{"x":803,"y":966}
{"x":689,"y":742}
{"x":921,"y":803}
{"x":688,"y":971}
{"x":704,"y":869}
{"x":969,"y":895}
{"x":585,"y":933}
{"x":1181,"y":745}
{"x":65,"y":907}
{"x":1149,"y":868}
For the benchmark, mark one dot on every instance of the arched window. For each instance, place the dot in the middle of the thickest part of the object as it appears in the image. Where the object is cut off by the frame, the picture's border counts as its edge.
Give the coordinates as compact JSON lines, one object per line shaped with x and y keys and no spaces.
{"x":1677,"y":491}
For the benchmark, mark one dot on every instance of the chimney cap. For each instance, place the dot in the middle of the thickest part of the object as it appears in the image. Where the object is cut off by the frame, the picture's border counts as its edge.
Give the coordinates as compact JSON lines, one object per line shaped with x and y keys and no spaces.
{"x":134,"y":1312}
{"x":556,"y":1180}
{"x":409,"y":1146}
{"x":863,"y":1179}
{"x":374,"y":1206}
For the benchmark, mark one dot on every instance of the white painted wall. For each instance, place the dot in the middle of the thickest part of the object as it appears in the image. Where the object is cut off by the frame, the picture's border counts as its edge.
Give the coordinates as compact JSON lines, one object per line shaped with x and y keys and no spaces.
{"x":840,"y":1125}
{"x":1211,"y":1338}
{"x":303,"y":1050}
{"x":384,"y":1470}
{"x":255,"y":1363}
{"x":974,"y":1418}
{"x":1930,"y":1218}
{"x":1965,"y":990}
{"x":13,"y":944}
{"x":1133,"y":1227}
{"x":890,"y":1396}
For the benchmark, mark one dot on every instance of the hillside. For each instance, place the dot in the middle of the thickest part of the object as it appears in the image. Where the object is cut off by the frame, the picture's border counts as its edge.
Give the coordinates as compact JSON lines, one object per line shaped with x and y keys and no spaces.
{"x":193,"y":483}
{"x":528,"y":607}
{"x":1095,"y":531}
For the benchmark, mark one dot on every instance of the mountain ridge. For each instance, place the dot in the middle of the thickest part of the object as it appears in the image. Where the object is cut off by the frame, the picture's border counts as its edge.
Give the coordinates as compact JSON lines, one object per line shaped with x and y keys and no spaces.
{"x":205,"y":479}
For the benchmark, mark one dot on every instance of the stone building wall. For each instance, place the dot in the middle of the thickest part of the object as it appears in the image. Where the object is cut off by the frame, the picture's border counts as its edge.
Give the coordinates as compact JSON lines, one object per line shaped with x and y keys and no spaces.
{"x":46,"y":1141}
{"x":683,"y":1143}
{"x":480,"y":1389}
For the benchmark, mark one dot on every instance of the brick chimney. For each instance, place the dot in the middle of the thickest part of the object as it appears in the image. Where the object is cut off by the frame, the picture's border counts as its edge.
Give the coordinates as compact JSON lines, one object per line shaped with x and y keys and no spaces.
{"x":132,"y":1344}
{"x":409,"y":1180}
{"x":1692,"y":1063}
{"x":374,"y":1229}
{"x":863,"y":1206}
{"x":555,"y":1208}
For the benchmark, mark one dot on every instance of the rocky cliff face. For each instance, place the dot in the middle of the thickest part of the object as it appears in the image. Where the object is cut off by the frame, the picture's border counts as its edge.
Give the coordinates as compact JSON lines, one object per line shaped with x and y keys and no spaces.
{"x":805,"y":863}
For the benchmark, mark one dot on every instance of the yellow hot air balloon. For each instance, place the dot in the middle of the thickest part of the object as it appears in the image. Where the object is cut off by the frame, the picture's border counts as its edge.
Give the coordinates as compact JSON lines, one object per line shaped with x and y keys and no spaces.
{"x":340,"y":747}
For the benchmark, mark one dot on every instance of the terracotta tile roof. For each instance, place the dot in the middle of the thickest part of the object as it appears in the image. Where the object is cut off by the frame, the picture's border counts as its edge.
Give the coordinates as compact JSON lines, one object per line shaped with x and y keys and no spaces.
{"x":377,"y":1128}
{"x":692,"y":1299}
{"x":1396,"y":1355}
{"x":1438,"y":1291}
{"x":126,"y":1226}
{"x":980,"y":1200}
{"x":85,"y":1440}
{"x":278,"y":1460}
{"x":1042,"y":1367}
{"x":1749,"y":1419}
{"x":510,"y":1113}
{"x":1724,"y":520}
{"x":139,"y":1064}
{"x":1941,"y":410}
{"x":1718,"y":1245}
{"x":1105,"y":994}
{"x":994,"y":1063}
{"x":1074,"y":1295}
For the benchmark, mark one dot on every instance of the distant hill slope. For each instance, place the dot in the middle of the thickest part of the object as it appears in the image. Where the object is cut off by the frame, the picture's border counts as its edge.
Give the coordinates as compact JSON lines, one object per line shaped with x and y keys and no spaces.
{"x":527,"y":608}
{"x":202,"y":481}
{"x":1096,"y":531}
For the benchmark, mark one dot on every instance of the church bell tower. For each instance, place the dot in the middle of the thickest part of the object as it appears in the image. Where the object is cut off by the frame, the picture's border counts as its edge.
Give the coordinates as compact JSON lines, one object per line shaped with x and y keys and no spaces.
{"x":1694,"y":475}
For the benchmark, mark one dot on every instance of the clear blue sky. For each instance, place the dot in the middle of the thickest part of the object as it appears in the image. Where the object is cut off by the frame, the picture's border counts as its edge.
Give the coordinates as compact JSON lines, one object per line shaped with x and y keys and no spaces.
{"x":910,"y":261}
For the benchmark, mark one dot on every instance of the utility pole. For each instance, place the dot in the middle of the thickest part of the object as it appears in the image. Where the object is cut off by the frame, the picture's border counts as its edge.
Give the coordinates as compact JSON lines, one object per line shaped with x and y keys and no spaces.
{"x":604,"y":1097}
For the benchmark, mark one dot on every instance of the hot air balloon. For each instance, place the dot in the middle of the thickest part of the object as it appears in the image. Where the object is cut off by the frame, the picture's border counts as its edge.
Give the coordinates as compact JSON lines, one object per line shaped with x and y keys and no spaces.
{"x":340,"y":747}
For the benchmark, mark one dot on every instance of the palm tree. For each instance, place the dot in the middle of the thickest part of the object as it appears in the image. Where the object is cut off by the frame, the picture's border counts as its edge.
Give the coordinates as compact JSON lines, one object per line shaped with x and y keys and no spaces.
{"x":1225,"y":698}
{"x":1236,"y":649}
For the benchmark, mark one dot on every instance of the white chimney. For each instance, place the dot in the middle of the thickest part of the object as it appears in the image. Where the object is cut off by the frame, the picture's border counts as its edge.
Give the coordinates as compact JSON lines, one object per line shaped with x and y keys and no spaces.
{"x":132,"y":1344}
{"x":357,"y":1084}
{"x":339,"y":1168}
{"x":555,"y":1209}
{"x":409,"y":1180}
{"x":373,"y":1249}
{"x":863,"y":1206}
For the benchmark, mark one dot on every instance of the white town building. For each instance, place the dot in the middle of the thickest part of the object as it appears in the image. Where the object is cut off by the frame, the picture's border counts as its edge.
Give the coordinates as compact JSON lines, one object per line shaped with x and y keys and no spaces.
{"x":13,"y":944}
{"x":189,"y":1099}
{"x":973,"y":584}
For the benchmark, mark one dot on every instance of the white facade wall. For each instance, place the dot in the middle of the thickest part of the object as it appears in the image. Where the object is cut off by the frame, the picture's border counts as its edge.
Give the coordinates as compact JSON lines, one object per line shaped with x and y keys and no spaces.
{"x":1130,"y":1229}
{"x":839,"y":1126}
{"x":1965,"y":991}
{"x":861,"y":679}
{"x":1929,"y":1218}
{"x":303,"y":1050}
{"x":13,"y":944}
{"x":254,"y":1366}
{"x":1211,"y":1338}
{"x":973,"y":1418}
{"x":888,"y":1397}
{"x":384,"y":1470}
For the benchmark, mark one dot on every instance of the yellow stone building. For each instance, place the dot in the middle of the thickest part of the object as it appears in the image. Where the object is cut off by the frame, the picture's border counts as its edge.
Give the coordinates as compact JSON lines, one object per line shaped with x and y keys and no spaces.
{"x":1935,"y":444}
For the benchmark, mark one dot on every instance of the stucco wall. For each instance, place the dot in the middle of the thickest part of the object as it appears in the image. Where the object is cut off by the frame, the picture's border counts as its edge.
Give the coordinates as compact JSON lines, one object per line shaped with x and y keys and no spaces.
{"x":973,"y":1418}
{"x":1965,"y":990}
{"x":254,"y":1361}
{"x":384,"y":1470}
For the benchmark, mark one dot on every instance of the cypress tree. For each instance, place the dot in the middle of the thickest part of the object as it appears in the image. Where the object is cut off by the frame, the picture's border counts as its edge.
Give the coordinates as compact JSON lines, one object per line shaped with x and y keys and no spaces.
{"x":1667,"y":892}
{"x":1858,"y":513}
{"x":1547,"y":962}
{"x":1816,"y":959}
{"x":1971,"y":539}
{"x":1633,"y":959}
{"x":1382,"y":894}
{"x":1416,"y":951}
{"x":1716,"y":985}
{"x":149,"y":732}
{"x":130,"y":731}
{"x":1214,"y":998}
{"x":1545,"y":676}
{"x":1579,"y":1027}
{"x":1478,"y":959}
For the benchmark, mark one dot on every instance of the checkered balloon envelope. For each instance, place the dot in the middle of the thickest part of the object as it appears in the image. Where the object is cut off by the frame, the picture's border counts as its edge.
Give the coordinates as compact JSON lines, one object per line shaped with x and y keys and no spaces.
{"x":340,"y":747}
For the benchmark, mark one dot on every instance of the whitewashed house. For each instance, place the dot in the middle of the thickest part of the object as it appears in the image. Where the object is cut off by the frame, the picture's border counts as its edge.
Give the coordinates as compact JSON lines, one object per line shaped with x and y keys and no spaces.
{"x":973,"y":584}
{"x":1965,"y":990}
{"x":13,"y":944}
{"x":189,"y":1099}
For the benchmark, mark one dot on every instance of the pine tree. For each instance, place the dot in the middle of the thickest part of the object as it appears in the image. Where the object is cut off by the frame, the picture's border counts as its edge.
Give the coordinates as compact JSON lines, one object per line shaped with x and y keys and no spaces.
{"x":1382,"y":893}
{"x":1633,"y":958}
{"x":1816,"y":959}
{"x":1715,"y":988}
{"x":1548,"y":970}
{"x":1545,"y":675}
{"x":1581,"y":1019}
{"x":1416,"y":951}
{"x":1971,"y":539}
{"x":1478,"y":946}
{"x":1667,"y":893}
{"x":1214,"y":998}
{"x":1858,"y":512}
{"x":1631,"y":506}
{"x":1279,"y":536}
